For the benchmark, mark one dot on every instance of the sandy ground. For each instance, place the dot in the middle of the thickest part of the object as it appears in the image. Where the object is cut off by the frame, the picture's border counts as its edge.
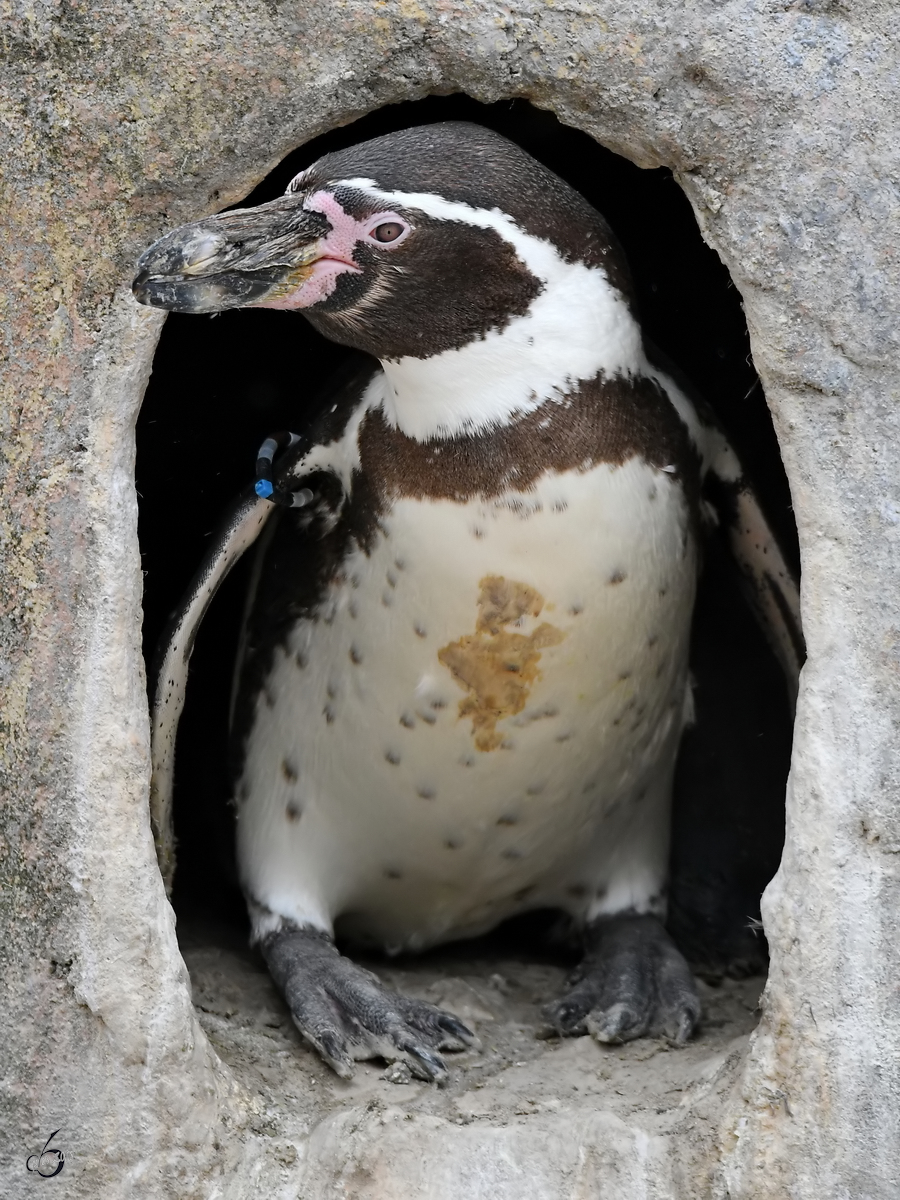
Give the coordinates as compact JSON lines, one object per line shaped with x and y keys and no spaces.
{"x":516,"y":1077}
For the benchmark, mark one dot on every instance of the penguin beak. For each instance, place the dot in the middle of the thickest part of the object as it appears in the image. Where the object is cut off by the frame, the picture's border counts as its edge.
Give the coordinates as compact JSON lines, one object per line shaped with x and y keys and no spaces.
{"x":234,"y":259}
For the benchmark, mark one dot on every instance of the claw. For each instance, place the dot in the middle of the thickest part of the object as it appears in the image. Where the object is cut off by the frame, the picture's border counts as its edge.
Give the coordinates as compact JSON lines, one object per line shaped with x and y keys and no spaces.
{"x":687,"y":1021}
{"x":616,"y":1025}
{"x":461,"y":1033}
{"x":565,"y":1018}
{"x":332,"y":1048}
{"x":425,"y":1064}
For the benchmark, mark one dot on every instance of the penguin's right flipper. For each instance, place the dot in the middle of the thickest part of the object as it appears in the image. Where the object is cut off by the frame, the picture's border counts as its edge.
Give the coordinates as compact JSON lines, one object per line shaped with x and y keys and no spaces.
{"x":240,"y":529}
{"x":348,"y":1014}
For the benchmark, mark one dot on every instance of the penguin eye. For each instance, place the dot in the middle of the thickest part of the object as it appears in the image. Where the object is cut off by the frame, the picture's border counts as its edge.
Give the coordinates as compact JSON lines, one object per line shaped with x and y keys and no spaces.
{"x":387,"y":231}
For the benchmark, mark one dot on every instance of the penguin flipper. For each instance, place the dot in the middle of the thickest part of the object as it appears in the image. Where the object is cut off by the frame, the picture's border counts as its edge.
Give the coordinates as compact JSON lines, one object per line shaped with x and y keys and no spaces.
{"x":772,"y":591}
{"x":769,"y":584}
{"x":240,"y":529}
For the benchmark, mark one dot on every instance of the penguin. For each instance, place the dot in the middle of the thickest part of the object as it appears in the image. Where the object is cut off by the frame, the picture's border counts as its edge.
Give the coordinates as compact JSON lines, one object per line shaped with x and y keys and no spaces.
{"x":463,"y":674}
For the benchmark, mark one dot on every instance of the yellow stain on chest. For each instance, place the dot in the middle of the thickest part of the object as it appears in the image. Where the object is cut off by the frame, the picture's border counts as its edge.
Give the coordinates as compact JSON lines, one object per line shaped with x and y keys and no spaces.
{"x":496,"y":665}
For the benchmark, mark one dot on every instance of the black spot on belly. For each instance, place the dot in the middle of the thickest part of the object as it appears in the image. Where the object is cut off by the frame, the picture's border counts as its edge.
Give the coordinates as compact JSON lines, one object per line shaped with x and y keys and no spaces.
{"x":563,"y":737}
{"x":407,"y":721}
{"x":329,"y":714}
{"x":507,"y":819}
{"x":293,"y":811}
{"x":355,"y":655}
{"x":452,"y":844}
{"x":576,"y":610}
{"x":427,"y":793}
{"x":301,"y":658}
{"x":651,"y":641}
{"x":623,"y":675}
{"x":420,"y":630}
{"x":511,"y":852}
{"x":289,"y":771}
{"x":535,"y":789}
{"x":392,"y":757}
{"x":392,"y":873}
{"x":616,"y":577}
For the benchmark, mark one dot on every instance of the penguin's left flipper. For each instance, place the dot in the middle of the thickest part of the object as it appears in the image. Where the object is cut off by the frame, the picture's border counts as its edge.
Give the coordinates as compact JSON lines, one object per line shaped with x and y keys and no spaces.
{"x":348,"y":1014}
{"x":729,"y":501}
{"x":633,"y":982}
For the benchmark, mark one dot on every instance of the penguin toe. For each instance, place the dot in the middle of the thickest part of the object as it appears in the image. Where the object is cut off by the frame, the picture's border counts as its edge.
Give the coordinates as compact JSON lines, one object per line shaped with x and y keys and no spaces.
{"x":633,"y":982}
{"x":442,"y":1028}
{"x":620,"y":1022}
{"x":347,"y":1014}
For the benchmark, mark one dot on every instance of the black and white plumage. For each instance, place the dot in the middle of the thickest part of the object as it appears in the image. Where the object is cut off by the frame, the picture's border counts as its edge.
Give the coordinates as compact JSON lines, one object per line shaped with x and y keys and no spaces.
{"x":464,"y":671}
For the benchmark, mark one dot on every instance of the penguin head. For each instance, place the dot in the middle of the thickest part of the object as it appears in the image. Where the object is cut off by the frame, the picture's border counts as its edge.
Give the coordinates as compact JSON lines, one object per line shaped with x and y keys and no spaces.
{"x":406,"y":246}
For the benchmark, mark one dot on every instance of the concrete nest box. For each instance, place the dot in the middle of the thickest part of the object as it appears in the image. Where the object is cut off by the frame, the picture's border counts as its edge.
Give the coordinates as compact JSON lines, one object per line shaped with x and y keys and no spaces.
{"x":120,"y":122}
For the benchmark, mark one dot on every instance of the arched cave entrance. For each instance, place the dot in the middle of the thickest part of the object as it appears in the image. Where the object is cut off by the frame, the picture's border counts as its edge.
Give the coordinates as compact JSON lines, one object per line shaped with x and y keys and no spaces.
{"x":220,"y":385}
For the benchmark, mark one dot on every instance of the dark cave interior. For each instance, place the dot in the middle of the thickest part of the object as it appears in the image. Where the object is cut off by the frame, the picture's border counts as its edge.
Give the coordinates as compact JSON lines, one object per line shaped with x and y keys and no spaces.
{"x":220,"y":385}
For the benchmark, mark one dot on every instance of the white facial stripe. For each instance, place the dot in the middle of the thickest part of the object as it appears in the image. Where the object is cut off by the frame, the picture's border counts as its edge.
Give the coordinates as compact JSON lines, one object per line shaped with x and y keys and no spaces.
{"x":576,"y":328}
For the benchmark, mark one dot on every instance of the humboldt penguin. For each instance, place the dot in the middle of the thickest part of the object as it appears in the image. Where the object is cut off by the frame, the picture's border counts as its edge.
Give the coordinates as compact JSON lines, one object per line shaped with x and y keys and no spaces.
{"x":463,"y":675}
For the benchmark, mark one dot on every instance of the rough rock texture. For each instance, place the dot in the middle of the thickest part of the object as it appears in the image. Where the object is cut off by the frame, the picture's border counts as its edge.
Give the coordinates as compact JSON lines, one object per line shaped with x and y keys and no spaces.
{"x":118,"y":120}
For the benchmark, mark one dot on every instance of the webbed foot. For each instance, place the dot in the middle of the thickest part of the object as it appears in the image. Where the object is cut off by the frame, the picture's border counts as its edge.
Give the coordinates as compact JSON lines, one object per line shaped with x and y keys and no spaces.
{"x":632,"y":982}
{"x":348,"y":1014}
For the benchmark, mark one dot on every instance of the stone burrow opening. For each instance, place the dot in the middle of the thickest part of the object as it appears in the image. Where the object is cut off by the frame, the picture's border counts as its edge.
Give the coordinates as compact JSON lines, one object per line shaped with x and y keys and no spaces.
{"x":219,"y":385}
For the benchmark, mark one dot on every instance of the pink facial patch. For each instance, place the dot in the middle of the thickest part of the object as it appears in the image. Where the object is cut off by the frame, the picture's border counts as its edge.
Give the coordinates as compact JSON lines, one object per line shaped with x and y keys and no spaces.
{"x":335,"y":251}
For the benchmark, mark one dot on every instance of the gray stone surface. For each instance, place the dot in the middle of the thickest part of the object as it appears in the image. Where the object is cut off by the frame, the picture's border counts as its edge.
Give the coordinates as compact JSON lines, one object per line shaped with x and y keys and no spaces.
{"x":118,"y":120}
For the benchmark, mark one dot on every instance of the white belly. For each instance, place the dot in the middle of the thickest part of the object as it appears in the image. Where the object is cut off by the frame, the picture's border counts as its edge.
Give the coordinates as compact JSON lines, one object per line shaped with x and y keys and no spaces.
{"x":483,"y":718}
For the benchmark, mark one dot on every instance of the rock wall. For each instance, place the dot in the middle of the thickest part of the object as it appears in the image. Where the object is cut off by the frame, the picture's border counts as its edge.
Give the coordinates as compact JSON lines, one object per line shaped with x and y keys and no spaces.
{"x":119,"y":120}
